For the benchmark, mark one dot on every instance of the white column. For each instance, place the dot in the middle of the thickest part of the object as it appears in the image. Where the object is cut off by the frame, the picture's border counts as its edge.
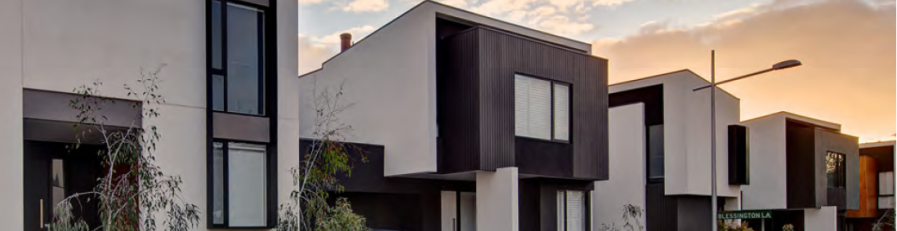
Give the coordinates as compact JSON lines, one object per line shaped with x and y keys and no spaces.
{"x":11,"y":138}
{"x":821,"y":219}
{"x":497,"y":200}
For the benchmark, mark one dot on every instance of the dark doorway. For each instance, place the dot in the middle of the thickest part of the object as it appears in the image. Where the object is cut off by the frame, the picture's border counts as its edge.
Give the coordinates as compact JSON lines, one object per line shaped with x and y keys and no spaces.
{"x":54,"y":171}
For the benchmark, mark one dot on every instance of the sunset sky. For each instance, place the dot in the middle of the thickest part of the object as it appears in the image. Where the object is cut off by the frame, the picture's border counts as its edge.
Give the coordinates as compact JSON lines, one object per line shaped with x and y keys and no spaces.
{"x":847,"y":46}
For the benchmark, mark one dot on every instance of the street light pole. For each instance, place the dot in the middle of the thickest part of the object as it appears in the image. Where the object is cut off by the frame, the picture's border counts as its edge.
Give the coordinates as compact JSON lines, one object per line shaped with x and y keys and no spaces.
{"x":713,"y":199}
{"x":713,"y":87}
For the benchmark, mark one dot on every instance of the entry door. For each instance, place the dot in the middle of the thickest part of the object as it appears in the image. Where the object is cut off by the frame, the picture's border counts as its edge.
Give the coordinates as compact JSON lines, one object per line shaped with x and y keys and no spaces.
{"x":52,"y":172}
{"x":459,"y":211}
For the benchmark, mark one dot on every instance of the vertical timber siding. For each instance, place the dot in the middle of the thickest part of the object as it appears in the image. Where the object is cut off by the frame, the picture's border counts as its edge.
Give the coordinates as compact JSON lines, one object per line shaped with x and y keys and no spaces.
{"x":475,"y":79}
{"x":502,"y":55}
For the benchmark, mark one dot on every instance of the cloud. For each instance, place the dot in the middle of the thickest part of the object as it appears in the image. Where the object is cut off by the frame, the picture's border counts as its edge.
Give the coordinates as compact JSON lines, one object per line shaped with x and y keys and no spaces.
{"x":562,"y":25}
{"x":309,"y":2}
{"x":312,"y":54}
{"x":562,"y":17}
{"x":366,"y":6}
{"x":357,"y":34}
{"x":847,"y":47}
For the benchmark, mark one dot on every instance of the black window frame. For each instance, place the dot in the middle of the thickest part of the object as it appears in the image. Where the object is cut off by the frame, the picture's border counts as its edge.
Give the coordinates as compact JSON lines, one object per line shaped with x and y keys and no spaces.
{"x":268,"y":98}
{"x":265,"y":57}
{"x":270,"y":185}
{"x":840,"y":173}
{"x":570,"y":109}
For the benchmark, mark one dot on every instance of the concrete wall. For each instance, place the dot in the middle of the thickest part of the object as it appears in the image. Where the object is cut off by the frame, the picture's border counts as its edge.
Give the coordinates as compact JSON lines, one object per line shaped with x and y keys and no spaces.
{"x":57,"y":45}
{"x":687,"y":132}
{"x":822,"y":219}
{"x":626,"y":183}
{"x":849,"y":146}
{"x":768,"y":166}
{"x":11,"y":131}
{"x":496,"y":200}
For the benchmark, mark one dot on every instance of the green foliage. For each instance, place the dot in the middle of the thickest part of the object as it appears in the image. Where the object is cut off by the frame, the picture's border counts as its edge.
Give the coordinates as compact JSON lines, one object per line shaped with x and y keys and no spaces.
{"x":788,"y":227}
{"x":722,"y":225}
{"x":133,"y":190}
{"x":317,"y":174}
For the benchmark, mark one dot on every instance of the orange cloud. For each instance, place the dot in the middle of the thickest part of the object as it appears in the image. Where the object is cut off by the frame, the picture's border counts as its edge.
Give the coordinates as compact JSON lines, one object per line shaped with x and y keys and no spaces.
{"x":847,"y":47}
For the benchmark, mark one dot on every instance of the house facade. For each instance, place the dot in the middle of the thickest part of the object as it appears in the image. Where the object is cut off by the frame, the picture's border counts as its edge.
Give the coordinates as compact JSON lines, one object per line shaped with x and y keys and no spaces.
{"x":229,"y":123}
{"x":876,"y":182}
{"x":468,"y":123}
{"x":659,"y":140}
{"x":804,"y":170}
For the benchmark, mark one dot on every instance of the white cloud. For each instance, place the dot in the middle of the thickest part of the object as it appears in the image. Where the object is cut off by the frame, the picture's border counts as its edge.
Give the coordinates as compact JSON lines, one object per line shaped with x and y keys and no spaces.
{"x":309,"y":2}
{"x":366,"y":6}
{"x":457,"y":3}
{"x":609,"y":3}
{"x":312,"y":54}
{"x":562,"y":25}
{"x":357,"y":34}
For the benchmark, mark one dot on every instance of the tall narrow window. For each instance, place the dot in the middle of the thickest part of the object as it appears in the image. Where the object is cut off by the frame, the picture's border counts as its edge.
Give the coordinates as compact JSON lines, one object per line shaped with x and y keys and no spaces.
{"x":239,"y":185}
{"x":835,"y":171}
{"x":572,"y":213}
{"x":237,"y":58}
{"x":541,"y":109}
{"x":655,"y":153}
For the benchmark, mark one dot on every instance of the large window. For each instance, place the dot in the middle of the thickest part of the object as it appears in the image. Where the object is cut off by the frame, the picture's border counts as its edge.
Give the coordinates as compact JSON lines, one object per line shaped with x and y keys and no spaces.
{"x":541,"y":109}
{"x":835,"y":170}
{"x":237,"y":58}
{"x":239,"y":184}
{"x":572,"y":211}
{"x":655,"y":153}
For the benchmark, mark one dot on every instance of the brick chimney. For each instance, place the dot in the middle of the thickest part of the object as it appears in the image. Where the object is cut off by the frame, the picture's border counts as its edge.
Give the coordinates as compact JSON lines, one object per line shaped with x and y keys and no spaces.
{"x":345,"y":41}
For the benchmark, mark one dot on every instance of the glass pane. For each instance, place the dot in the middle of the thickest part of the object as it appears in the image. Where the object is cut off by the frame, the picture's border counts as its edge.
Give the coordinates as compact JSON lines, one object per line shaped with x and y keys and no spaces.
{"x":216,"y":35}
{"x":217,"y":93}
{"x":540,"y":109}
{"x":244,"y":63}
{"x":521,"y":105}
{"x":575,"y":211}
{"x":561,"y":112}
{"x":886,"y":183}
{"x":561,"y":210}
{"x":247,"y":185}
{"x":58,"y":182}
{"x":655,"y":152}
{"x":834,"y":169}
{"x":217,"y":183}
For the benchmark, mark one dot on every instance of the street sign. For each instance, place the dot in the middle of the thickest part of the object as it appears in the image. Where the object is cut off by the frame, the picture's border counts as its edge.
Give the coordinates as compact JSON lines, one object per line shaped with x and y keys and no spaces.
{"x":745,"y":214}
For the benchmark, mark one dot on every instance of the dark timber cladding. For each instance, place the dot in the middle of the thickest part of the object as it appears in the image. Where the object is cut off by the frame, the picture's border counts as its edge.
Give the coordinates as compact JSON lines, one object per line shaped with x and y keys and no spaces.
{"x":476,"y":105}
{"x":800,"y":164}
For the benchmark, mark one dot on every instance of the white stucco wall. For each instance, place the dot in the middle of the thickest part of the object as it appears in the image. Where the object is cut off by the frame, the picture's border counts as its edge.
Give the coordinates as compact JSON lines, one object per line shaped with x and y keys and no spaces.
{"x":390,"y":79}
{"x":821,"y":219}
{"x":626,"y":183}
{"x":11,"y":136}
{"x":57,"y":45}
{"x":496,"y":200}
{"x":687,"y":133}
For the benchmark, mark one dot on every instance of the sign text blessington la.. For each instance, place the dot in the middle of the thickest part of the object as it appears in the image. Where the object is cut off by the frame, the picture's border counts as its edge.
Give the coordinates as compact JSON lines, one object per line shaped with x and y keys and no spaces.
{"x":747,"y":214}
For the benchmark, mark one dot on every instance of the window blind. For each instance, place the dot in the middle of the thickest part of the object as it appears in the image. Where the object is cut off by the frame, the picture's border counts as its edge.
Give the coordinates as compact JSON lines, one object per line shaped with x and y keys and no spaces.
{"x":246,"y":185}
{"x":532,"y":107}
{"x":575,"y":211}
{"x":561,"y":112}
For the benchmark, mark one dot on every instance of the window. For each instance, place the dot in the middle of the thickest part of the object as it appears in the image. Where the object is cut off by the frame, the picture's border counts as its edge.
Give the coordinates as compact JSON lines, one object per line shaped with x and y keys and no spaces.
{"x":541,"y":109}
{"x":835,"y":165}
{"x":240,"y":184}
{"x":237,"y":58}
{"x":655,"y":153}
{"x":572,"y":214}
{"x":886,"y":183}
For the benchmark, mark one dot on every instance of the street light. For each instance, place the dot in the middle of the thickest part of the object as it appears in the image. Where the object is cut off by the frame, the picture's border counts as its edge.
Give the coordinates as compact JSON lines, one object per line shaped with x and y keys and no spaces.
{"x":778,"y":66}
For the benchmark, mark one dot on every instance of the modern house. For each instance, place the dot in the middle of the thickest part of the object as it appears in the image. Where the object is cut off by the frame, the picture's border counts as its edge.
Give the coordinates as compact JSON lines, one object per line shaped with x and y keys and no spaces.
{"x":804,"y":170}
{"x":876,"y":177}
{"x":468,"y":123}
{"x":659,"y":140}
{"x":229,"y":124}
